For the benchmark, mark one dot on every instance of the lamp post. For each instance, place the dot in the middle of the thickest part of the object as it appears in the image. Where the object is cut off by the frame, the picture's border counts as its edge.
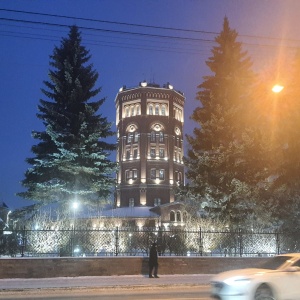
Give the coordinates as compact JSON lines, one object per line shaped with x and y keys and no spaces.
{"x":75,"y":207}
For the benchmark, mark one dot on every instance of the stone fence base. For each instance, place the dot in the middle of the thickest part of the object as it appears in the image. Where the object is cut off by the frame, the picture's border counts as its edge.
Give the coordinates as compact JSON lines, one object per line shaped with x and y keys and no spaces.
{"x":125,"y":265}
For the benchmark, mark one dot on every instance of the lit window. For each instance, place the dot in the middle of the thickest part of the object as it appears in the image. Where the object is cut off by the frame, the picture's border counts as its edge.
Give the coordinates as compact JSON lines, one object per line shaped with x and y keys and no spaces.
{"x":138,"y":110}
{"x":135,"y":153}
{"x":161,"y":152}
{"x":161,"y":174}
{"x":127,"y":112}
{"x":152,"y":152}
{"x":136,"y":137}
{"x":150,"y":110}
{"x":131,"y":202}
{"x":129,"y":137}
{"x":152,"y":138}
{"x":153,"y":173}
{"x":157,"y":201}
{"x":161,"y":137}
{"x":128,"y":154}
{"x":128,"y":174}
{"x":157,"y":109}
{"x":132,"y":111}
{"x":134,"y":174}
{"x":163,"y":110}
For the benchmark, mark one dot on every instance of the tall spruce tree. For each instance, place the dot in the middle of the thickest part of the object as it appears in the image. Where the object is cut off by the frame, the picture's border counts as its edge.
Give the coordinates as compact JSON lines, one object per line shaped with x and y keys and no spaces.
{"x":285,"y":114}
{"x":223,"y":165}
{"x":72,"y":156}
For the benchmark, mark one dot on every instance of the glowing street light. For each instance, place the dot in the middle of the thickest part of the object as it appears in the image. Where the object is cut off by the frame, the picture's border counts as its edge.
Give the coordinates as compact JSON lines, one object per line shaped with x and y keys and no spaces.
{"x":277,"y":88}
{"x":75,"y":206}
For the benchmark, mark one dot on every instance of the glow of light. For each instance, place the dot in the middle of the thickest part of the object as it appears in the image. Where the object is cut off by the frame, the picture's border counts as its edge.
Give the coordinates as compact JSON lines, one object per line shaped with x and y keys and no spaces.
{"x":170,"y":87}
{"x":277,"y":88}
{"x":144,"y":84}
{"x":75,"y":205}
{"x":157,"y":181}
{"x":121,"y":89}
{"x":130,"y":181}
{"x":171,"y":181}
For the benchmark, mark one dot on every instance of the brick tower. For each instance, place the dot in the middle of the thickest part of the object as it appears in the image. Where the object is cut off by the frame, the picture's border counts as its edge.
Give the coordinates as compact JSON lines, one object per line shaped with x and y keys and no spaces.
{"x":149,"y":121}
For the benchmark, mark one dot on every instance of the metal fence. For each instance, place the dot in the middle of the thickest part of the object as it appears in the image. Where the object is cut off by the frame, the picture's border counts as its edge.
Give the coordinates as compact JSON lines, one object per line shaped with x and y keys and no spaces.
{"x":136,"y":242}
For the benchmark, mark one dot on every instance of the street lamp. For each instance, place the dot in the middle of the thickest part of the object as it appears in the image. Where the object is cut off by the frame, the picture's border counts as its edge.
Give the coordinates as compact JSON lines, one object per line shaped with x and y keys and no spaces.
{"x":277,"y":88}
{"x":75,"y":206}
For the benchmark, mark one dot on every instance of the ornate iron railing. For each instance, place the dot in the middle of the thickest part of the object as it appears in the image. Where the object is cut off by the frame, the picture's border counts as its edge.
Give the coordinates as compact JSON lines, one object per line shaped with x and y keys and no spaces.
{"x":136,"y":242}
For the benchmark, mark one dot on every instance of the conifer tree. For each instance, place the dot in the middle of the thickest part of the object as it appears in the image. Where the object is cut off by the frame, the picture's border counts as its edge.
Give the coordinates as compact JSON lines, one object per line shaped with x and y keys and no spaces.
{"x":286,"y":122}
{"x":72,"y":156}
{"x":223,"y":165}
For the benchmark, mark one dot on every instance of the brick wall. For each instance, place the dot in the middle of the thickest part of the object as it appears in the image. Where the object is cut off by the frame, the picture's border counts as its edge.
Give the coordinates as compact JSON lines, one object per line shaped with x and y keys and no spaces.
{"x":107,"y":266}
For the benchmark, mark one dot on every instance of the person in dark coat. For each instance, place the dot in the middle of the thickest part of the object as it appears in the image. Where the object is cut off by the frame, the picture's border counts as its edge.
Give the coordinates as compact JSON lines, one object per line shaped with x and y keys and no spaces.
{"x":153,"y":261}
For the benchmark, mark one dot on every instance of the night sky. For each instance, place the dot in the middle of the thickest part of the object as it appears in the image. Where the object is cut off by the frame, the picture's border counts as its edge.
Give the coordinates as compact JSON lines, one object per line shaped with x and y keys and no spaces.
{"x":130,"y":41}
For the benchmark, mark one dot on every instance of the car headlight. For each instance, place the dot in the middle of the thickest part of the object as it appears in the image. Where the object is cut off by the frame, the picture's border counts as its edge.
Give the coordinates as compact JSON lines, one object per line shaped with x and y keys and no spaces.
{"x":237,"y":281}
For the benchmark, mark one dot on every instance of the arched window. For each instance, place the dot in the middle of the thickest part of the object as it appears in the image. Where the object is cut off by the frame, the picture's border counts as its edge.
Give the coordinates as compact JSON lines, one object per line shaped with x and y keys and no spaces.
{"x":152,"y":137}
{"x":157,"y":109}
{"x":178,"y":216}
{"x":132,"y":111}
{"x":172,"y":216}
{"x":127,"y":111}
{"x":163,"y":110}
{"x":136,"y":136}
{"x":138,"y":110}
{"x":161,"y":137}
{"x":179,"y":177}
{"x":150,"y":109}
{"x":129,"y":137}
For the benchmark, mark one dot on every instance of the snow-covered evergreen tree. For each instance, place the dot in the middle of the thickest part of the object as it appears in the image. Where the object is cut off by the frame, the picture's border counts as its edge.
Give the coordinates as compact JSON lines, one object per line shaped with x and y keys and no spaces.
{"x":72,"y":156}
{"x":224,"y":160}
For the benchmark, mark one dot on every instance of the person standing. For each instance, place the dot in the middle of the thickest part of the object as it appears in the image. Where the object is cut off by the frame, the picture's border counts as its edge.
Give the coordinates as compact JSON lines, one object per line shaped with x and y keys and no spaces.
{"x":153,"y":261}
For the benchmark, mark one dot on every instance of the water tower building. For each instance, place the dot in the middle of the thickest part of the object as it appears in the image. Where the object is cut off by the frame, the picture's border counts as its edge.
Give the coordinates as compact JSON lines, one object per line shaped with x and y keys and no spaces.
{"x":149,"y":121}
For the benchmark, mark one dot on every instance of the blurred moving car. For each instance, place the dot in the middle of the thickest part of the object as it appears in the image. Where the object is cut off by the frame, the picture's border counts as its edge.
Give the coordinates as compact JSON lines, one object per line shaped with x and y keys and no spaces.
{"x":277,"y":279}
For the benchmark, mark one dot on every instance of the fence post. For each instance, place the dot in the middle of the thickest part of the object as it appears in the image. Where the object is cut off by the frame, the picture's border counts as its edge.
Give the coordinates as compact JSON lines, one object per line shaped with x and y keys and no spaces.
{"x":117,"y":241}
{"x":277,"y":242}
{"x":200,"y":242}
{"x":23,"y":241}
{"x":240,"y":239}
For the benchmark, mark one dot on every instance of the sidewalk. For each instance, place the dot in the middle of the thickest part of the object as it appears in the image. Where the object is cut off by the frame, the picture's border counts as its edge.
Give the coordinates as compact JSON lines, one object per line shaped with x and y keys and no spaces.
{"x":127,"y":281}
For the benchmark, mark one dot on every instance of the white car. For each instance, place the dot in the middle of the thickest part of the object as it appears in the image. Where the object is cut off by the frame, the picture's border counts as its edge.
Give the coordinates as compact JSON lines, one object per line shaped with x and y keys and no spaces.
{"x":277,"y":279}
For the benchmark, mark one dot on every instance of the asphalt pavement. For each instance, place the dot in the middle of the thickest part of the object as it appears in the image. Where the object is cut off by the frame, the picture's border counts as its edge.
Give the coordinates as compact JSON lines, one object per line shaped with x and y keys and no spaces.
{"x":127,"y":281}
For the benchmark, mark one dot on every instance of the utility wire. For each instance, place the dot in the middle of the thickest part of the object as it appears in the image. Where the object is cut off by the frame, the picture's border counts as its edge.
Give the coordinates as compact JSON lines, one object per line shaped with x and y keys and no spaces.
{"x":142,"y":25}
{"x":108,"y":30}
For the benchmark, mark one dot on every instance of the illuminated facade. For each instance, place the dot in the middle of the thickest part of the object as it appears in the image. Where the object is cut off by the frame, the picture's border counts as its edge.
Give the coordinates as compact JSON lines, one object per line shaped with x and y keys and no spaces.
{"x":149,"y":121}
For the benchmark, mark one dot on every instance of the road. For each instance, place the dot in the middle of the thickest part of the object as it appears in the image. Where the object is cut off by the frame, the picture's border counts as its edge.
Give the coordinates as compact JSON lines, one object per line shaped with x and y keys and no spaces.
{"x":136,"y":293}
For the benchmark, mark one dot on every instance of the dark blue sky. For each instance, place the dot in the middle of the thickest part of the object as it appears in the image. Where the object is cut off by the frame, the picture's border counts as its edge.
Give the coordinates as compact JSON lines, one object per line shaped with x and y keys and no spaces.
{"x":123,"y":58}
